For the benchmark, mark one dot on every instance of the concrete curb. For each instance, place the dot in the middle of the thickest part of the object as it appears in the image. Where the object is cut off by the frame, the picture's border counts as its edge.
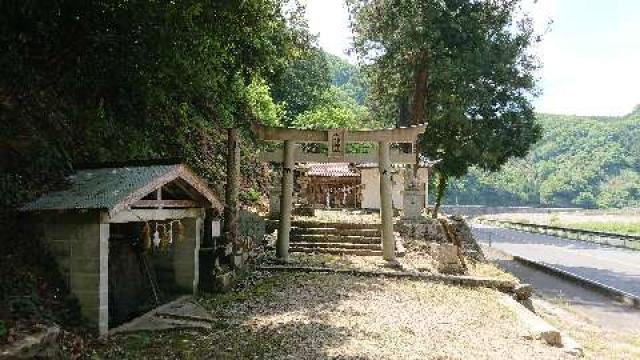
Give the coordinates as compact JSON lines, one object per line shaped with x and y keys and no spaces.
{"x":541,"y":329}
{"x":622,"y":296}
{"x":538,"y":328}
{"x":505,"y":286}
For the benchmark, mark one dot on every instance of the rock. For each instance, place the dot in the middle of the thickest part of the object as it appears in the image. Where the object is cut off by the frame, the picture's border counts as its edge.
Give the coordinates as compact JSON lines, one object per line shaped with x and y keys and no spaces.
{"x":43,"y":344}
{"x":224,"y":282}
{"x":536,"y":326}
{"x":431,"y":230}
{"x":571,"y":346}
{"x":427,"y":229}
{"x":523,"y":291}
{"x":446,"y":257}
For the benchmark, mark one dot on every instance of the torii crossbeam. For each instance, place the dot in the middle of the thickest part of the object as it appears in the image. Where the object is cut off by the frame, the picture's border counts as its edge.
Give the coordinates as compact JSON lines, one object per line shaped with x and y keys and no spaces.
{"x":337,"y":140}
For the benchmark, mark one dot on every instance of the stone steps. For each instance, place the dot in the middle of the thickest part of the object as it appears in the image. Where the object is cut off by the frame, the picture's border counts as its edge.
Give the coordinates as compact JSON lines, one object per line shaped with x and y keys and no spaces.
{"x":333,"y":225}
{"x":337,"y":251}
{"x":350,"y":239}
{"x":334,"y":231}
{"x":328,"y":245}
{"x":338,"y":239}
{"x":324,"y":225}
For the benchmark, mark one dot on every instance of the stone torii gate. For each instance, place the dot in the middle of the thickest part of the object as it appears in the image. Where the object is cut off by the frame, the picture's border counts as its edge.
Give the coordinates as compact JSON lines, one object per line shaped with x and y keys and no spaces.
{"x":337,"y":140}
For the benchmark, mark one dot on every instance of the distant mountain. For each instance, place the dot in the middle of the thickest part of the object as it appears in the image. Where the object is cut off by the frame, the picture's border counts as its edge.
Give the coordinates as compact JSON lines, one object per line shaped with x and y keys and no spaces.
{"x":583,"y":161}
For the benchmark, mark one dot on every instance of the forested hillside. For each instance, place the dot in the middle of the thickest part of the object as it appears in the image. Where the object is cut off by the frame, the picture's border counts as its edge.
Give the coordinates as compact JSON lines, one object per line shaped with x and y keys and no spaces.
{"x":580,"y":161}
{"x":94,"y":82}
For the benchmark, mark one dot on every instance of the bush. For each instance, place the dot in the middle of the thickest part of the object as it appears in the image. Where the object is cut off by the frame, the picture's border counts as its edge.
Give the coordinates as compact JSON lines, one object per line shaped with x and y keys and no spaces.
{"x":251,"y":225}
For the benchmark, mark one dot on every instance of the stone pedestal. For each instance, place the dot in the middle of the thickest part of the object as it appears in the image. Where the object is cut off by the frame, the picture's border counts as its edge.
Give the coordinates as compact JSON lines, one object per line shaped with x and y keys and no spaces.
{"x":274,"y":202}
{"x":413,"y":201}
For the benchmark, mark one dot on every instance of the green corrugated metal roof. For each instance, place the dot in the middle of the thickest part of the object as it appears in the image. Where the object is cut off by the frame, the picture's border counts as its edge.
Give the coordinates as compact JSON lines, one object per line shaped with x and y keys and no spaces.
{"x":100,"y":188}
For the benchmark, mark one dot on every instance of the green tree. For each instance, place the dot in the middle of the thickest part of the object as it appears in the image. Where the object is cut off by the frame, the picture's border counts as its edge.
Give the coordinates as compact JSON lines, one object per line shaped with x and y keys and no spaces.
{"x":622,"y":190}
{"x":264,"y":109}
{"x":302,"y":85}
{"x":460,"y":66}
{"x":349,"y":78}
{"x":120,"y":80}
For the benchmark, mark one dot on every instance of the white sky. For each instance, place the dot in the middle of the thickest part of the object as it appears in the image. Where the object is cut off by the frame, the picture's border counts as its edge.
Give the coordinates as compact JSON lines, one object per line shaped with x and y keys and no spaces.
{"x":591,"y":56}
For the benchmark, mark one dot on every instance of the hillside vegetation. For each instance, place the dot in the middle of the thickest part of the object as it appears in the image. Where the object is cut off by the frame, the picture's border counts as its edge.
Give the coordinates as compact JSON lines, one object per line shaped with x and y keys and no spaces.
{"x":582,"y":161}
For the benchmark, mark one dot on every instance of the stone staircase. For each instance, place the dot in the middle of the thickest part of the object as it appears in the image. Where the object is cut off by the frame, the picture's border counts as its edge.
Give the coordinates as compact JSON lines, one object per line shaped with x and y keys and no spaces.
{"x":338,"y":239}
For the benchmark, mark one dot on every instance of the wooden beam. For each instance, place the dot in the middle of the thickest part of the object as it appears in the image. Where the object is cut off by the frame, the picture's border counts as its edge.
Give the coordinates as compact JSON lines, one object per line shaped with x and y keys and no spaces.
{"x":139,"y":215}
{"x":396,"y":157}
{"x":395,"y":135}
{"x":165,"y":204}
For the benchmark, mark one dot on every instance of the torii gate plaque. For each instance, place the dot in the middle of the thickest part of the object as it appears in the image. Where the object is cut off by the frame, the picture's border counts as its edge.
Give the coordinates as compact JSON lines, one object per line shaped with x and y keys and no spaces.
{"x":337,"y":140}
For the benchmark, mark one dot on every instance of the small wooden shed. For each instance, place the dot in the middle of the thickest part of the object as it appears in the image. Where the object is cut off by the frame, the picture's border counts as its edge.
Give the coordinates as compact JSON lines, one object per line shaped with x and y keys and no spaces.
{"x":107,"y":210}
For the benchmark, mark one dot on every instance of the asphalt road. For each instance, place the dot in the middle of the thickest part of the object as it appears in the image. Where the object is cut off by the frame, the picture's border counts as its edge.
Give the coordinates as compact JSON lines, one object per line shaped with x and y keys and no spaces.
{"x":615,"y":267}
{"x":590,"y":305}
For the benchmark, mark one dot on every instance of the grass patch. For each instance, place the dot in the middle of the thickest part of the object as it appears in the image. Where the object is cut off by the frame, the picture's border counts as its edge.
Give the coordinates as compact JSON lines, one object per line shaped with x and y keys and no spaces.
{"x":260,"y":287}
{"x":491,"y":270}
{"x":610,"y":227}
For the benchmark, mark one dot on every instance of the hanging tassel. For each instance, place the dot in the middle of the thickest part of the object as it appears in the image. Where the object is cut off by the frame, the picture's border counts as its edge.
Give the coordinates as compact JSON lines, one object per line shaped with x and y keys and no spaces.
{"x":145,"y":236}
{"x":180,"y":231}
{"x":156,"y":238}
{"x":164,"y":239}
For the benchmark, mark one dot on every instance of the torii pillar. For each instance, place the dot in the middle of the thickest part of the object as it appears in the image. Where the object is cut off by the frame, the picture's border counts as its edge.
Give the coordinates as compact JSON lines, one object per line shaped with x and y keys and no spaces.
{"x":286,"y":202}
{"x":386,"y":205}
{"x":337,"y":139}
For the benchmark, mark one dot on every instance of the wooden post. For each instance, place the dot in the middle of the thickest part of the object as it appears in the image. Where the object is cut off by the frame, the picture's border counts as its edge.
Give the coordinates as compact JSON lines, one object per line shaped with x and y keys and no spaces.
{"x":231,"y":191}
{"x":386,"y":206}
{"x":286,"y":199}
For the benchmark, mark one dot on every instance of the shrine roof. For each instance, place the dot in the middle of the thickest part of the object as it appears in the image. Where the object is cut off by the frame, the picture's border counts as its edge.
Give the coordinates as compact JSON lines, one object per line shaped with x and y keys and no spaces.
{"x":331,"y":169}
{"x":114,"y":188}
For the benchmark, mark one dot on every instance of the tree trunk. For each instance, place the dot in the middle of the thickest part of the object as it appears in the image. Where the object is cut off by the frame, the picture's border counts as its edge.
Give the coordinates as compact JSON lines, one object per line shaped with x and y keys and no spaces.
{"x":232,"y":189}
{"x":421,"y":76}
{"x":440,"y":189}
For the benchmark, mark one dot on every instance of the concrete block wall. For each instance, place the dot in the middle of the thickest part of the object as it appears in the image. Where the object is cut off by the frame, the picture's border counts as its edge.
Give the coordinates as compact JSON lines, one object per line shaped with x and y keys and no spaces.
{"x":80,"y":244}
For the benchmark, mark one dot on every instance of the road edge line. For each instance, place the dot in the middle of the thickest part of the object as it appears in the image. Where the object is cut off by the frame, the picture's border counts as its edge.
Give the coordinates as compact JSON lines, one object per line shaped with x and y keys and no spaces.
{"x":620,"y":295}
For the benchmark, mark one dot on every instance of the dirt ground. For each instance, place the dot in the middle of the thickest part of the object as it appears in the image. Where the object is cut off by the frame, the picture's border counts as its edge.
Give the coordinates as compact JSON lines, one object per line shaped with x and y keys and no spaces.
{"x":321,"y":316}
{"x":341,"y":316}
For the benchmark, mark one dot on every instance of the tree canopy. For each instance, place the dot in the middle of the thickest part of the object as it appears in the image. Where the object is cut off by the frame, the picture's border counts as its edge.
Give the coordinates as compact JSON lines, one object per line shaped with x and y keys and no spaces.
{"x":462,"y":67}
{"x":121,"y":80}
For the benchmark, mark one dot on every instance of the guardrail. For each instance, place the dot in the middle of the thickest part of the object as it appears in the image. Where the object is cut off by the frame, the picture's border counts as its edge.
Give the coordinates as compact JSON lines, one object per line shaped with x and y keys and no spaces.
{"x":599,"y":237}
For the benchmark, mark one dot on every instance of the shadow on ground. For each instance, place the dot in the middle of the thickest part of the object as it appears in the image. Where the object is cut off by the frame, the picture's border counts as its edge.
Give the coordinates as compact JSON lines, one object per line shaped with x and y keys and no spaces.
{"x":275,"y":316}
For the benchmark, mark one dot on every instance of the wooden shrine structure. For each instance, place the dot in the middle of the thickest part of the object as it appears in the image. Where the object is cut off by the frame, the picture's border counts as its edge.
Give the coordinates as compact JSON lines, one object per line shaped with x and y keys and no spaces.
{"x":337,"y":140}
